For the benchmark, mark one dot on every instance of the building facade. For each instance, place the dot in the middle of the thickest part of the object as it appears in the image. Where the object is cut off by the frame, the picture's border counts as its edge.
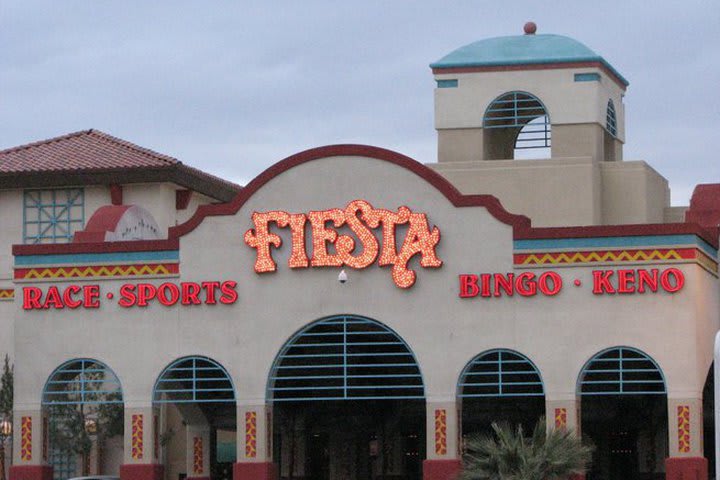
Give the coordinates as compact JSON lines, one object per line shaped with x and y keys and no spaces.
{"x":354,"y":314}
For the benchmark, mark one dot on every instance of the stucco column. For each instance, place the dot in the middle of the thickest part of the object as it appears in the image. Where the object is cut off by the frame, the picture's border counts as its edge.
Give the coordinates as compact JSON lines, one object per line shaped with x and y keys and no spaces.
{"x":563,"y":413}
{"x":141,"y":444}
{"x":254,"y":447}
{"x":30,"y":445}
{"x":198,"y":452}
{"x":685,"y":429}
{"x":442,"y":440}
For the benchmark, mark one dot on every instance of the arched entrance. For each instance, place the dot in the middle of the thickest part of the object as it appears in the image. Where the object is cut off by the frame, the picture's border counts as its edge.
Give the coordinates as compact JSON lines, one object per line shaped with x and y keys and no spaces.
{"x":624,"y":414}
{"x":84,"y":404}
{"x":500,"y":386}
{"x":196,"y":398}
{"x":348,"y":403}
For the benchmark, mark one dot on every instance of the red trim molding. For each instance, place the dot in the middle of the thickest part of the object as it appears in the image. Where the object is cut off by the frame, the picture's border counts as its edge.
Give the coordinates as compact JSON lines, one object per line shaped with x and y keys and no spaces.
{"x":31,"y":472}
{"x":254,"y":471}
{"x":145,"y":471}
{"x":441,"y":469}
{"x":684,"y":468}
{"x":536,"y":66}
{"x":96,"y":247}
{"x":435,"y":179}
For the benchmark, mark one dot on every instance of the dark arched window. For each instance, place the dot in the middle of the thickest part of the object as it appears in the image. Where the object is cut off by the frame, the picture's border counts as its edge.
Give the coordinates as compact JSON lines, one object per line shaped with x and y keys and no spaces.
{"x":515,"y":122}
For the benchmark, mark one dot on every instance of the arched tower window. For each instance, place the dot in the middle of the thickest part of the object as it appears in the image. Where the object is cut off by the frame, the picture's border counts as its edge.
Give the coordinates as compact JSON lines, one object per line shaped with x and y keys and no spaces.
{"x":517,"y":125}
{"x":611,"y":119}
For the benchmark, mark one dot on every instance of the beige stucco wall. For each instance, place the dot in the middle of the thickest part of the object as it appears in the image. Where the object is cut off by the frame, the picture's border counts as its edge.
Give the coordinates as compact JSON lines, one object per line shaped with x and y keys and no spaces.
{"x":567,"y":191}
{"x":558,"y":334}
{"x":551,"y":192}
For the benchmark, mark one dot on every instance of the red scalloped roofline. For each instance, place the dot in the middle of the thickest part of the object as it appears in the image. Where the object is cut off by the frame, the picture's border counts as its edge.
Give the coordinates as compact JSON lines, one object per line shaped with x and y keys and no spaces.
{"x":491,"y":203}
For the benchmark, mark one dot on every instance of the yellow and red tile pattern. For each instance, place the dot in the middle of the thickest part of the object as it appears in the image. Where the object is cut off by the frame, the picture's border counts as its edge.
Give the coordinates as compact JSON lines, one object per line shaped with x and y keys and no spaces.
{"x":45,"y":438}
{"x":7,"y":293}
{"x":250,"y":434}
{"x":441,"y":431}
{"x":561,"y":418}
{"x":90,"y":271}
{"x":26,"y":439}
{"x":197,"y":455}
{"x":605,"y":256}
{"x":156,"y":437}
{"x":683,"y":425}
{"x":137,"y":437}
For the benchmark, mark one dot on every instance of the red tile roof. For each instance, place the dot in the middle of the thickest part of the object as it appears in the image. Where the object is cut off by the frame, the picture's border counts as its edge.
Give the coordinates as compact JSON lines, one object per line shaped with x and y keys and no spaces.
{"x":91,"y":156}
{"x":86,"y":150}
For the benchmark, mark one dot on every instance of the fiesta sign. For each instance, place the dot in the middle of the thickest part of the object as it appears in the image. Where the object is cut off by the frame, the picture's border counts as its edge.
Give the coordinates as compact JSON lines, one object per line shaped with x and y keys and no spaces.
{"x":361,"y":219}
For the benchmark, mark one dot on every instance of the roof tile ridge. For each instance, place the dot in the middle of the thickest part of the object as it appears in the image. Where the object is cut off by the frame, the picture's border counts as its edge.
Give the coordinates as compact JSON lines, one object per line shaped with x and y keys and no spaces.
{"x":47,"y":141}
{"x":134,"y":147}
{"x":196,"y":170}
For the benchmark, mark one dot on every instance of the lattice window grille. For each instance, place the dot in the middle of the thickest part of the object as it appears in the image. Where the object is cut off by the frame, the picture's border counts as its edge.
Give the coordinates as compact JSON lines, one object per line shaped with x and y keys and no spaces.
{"x":194,"y":380}
{"x":345,"y":358}
{"x":52,"y":216}
{"x":621,"y":371}
{"x":500,"y":373}
{"x":82,"y":382}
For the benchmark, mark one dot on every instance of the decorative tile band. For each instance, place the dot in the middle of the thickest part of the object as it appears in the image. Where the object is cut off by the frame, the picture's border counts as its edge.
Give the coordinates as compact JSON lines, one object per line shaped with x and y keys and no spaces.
{"x":197,"y":455}
{"x":26,"y":439}
{"x":137,"y":437}
{"x":45,"y":438}
{"x":441,"y":431}
{"x":657,"y":255}
{"x":89,"y":271}
{"x":7,"y":293}
{"x":561,"y":418}
{"x":683,"y":424}
{"x":156,"y":437}
{"x":250,"y":434}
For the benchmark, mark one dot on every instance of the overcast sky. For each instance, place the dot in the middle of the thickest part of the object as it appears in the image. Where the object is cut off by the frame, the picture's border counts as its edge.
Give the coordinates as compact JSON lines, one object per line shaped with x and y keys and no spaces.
{"x":233,"y":87}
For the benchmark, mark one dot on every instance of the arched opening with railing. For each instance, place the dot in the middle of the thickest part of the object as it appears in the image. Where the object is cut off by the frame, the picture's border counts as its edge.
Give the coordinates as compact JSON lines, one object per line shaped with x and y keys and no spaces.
{"x":500,"y":385}
{"x":348,"y":402}
{"x":85,"y":418}
{"x":516,"y":125}
{"x":196,"y":399}
{"x":623,"y":405}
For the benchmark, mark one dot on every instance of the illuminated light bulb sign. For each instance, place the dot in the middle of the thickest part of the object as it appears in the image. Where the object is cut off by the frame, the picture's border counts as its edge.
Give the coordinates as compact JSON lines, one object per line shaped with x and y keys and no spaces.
{"x":361,"y":218}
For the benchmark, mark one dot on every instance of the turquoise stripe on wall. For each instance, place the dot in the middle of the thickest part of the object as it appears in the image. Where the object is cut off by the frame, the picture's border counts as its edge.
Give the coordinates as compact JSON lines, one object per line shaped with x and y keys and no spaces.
{"x":157,"y":256}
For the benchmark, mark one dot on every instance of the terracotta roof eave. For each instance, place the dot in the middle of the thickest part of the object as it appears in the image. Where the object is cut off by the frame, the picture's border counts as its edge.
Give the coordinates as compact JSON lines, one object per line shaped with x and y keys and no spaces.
{"x":177,"y":173}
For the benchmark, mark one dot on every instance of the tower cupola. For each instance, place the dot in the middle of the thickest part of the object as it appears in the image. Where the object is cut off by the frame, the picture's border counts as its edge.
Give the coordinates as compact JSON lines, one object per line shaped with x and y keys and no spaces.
{"x":528,"y":96}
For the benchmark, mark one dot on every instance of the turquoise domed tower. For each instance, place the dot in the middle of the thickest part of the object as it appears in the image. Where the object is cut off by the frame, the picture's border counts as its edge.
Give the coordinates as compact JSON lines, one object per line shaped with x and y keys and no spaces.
{"x":539,"y":122}
{"x":528,"y":96}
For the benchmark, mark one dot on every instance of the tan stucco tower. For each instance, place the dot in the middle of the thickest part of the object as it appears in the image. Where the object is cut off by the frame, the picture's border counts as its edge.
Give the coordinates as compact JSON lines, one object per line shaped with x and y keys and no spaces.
{"x":539,"y":120}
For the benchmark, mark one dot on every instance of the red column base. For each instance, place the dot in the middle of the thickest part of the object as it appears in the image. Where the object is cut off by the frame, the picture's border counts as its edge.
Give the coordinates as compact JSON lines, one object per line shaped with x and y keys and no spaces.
{"x":31,"y":472}
{"x":441,"y":469}
{"x":140,"y":471}
{"x":254,"y":471}
{"x":686,"y":468}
